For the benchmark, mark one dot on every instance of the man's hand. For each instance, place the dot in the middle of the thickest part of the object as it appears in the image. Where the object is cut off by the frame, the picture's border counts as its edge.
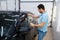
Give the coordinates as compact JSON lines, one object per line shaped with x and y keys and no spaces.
{"x":29,"y":14}
{"x":37,"y":25}
{"x":31,"y":24}
{"x":32,"y":15}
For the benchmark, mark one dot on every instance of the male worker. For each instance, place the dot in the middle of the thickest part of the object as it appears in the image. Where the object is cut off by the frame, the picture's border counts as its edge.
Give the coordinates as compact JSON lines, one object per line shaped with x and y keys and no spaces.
{"x":42,"y":23}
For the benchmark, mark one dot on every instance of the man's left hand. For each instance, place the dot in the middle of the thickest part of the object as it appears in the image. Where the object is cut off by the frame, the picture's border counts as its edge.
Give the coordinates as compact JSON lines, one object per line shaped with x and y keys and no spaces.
{"x":32,"y":25}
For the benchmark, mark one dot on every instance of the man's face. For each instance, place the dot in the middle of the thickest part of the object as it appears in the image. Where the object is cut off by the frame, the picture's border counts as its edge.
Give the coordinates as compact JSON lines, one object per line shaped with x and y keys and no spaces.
{"x":40,"y":10}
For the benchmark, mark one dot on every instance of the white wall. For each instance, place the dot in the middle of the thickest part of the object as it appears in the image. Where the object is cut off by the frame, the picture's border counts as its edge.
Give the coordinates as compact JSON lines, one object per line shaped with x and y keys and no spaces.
{"x":3,"y":5}
{"x":10,"y":6}
{"x":56,"y":22}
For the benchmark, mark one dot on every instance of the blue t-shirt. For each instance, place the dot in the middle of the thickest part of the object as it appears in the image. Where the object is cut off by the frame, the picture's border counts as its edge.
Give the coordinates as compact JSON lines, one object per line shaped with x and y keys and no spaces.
{"x":43,"y":18}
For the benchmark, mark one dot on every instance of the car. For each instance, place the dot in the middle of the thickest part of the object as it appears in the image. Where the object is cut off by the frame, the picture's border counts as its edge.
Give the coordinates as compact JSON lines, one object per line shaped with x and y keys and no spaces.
{"x":15,"y":26}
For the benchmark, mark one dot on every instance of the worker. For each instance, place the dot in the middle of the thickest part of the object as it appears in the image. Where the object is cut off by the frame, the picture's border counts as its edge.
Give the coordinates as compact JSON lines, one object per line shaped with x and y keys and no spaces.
{"x":42,"y":23}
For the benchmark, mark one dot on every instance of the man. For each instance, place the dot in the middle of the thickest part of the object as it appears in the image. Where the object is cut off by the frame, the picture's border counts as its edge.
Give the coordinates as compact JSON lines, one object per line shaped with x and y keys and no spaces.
{"x":42,"y":23}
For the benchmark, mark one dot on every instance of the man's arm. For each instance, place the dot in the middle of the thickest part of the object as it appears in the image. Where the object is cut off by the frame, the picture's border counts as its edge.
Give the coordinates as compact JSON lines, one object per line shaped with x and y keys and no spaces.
{"x":38,"y":25}
{"x":34,"y":16}
{"x":44,"y":20}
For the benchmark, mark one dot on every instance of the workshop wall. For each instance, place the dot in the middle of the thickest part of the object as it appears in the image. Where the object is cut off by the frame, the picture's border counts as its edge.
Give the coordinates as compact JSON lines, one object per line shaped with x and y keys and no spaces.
{"x":8,"y":5}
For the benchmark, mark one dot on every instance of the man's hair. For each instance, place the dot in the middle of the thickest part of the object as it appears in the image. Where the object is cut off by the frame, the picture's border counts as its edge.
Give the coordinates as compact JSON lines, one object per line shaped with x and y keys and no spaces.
{"x":41,"y":6}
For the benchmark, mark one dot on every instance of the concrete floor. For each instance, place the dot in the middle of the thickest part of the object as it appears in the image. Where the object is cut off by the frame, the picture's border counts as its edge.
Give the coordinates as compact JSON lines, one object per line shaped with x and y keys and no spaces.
{"x":49,"y":35}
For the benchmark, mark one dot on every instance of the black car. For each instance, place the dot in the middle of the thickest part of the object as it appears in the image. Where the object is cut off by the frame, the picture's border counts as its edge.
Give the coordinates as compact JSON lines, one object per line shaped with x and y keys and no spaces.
{"x":15,"y":26}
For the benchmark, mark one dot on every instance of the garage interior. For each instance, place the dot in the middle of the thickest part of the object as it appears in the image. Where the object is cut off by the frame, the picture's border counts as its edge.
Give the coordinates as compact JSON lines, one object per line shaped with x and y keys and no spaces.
{"x":13,"y":10}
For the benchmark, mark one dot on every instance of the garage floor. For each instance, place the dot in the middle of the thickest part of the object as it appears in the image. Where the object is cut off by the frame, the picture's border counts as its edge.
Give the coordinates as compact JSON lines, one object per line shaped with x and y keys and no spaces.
{"x":49,"y":35}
